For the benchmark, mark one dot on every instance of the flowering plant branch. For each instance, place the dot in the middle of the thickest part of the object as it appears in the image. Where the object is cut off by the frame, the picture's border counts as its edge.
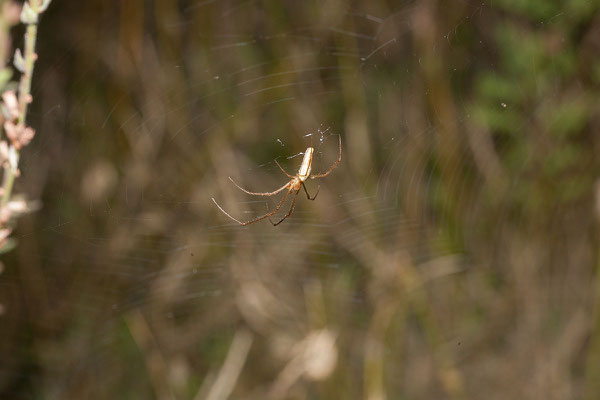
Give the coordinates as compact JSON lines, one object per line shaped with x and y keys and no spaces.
{"x":14,"y":110}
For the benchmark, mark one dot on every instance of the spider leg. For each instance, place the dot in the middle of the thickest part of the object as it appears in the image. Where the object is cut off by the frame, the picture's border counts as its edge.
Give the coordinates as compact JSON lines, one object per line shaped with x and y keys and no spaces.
{"x":225,"y":212}
{"x":255,"y":219}
{"x":261,"y":193}
{"x":282,"y":170}
{"x":308,"y":195}
{"x":335,"y":164}
{"x":289,"y":212}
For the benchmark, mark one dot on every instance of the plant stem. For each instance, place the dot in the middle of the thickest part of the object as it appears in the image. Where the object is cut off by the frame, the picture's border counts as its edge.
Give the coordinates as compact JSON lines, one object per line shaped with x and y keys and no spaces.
{"x":10,"y":171}
{"x":9,"y":179}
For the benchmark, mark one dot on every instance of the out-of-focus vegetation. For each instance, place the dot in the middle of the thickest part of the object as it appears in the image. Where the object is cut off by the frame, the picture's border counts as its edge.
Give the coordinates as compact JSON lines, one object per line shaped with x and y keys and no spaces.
{"x":452,"y":254}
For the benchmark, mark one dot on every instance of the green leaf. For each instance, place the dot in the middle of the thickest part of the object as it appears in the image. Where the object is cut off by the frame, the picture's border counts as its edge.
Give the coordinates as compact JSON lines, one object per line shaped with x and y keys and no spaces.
{"x":498,"y":88}
{"x":19,"y":61}
{"x":8,"y":245}
{"x":5,"y":75}
{"x":44,"y":6}
{"x":28,"y":14}
{"x":569,"y":118}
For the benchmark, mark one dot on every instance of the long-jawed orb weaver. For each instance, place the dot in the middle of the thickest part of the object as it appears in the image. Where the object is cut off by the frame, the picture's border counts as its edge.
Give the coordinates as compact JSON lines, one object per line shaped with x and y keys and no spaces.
{"x":294,"y":185}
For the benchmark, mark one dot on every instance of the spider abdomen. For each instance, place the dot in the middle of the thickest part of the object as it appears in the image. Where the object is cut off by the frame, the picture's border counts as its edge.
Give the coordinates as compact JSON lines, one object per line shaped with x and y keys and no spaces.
{"x":304,"y":171}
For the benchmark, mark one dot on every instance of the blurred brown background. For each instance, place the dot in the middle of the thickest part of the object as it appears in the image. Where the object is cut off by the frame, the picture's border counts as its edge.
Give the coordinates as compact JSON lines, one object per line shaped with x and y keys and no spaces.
{"x":451,"y":255}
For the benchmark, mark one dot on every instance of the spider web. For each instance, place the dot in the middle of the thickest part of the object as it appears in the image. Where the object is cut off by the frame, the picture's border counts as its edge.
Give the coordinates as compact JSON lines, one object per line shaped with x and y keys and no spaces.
{"x":409,"y":258}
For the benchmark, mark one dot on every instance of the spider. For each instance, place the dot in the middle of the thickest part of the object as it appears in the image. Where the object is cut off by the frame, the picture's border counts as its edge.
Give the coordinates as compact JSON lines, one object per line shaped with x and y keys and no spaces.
{"x":295,"y":183}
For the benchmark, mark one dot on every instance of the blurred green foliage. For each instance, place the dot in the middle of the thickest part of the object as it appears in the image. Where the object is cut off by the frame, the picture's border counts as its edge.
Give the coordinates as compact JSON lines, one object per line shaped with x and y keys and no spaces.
{"x":536,"y":103}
